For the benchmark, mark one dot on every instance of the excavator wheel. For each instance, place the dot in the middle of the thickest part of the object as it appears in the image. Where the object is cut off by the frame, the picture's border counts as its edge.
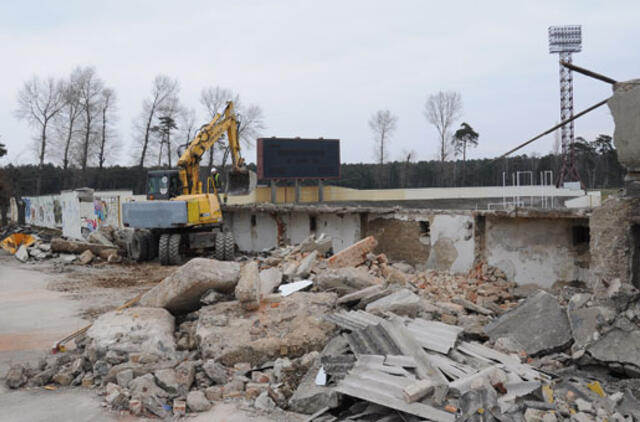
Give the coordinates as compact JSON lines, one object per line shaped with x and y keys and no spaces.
{"x":229,"y":247}
{"x":139,"y":247}
{"x":163,"y":249}
{"x":175,"y":258}
{"x":219,"y":250}
{"x":152,"y":246}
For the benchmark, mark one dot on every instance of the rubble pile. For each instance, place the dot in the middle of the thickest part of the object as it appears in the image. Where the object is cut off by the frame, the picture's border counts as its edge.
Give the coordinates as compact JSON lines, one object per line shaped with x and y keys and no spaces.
{"x":107,"y":244}
{"x":352,"y":336}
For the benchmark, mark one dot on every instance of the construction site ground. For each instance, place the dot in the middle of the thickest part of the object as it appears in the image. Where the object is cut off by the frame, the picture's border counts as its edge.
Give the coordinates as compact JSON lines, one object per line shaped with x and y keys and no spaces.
{"x":40,"y":304}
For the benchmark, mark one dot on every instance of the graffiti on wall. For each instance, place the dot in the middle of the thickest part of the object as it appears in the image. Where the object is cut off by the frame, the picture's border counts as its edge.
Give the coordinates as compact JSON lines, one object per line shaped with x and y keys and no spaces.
{"x":76,"y":218}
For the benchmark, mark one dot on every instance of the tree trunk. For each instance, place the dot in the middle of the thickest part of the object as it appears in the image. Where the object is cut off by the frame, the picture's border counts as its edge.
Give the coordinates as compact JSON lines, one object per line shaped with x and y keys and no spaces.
{"x":69,"y":246}
{"x":169,"y":149}
{"x":43,"y":145}
{"x":147,"y":130}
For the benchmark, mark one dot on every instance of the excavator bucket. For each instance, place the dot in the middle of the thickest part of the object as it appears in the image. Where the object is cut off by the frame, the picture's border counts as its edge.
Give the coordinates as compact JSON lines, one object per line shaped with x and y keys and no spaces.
{"x":241,"y":182}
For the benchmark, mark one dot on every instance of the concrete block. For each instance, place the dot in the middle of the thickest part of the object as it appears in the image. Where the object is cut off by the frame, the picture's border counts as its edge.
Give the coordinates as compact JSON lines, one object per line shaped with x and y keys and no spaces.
{"x":135,"y":330}
{"x":304,"y":269}
{"x":270,"y":279}
{"x":354,"y":255}
{"x":181,"y":291}
{"x":346,"y":280}
{"x":22,"y":254}
{"x":248,"y":287}
{"x":418,"y":390}
{"x":539,"y":324}
{"x":401,"y":302}
{"x":197,"y":402}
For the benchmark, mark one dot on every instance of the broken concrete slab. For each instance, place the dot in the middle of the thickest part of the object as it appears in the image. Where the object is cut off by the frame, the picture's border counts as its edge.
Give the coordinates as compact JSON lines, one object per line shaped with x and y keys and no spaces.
{"x":270,"y":279}
{"x":310,"y":397}
{"x":585,"y":323}
{"x":539,"y":324}
{"x":22,"y":254}
{"x":617,"y":346}
{"x":364,"y":296}
{"x":346,"y":280}
{"x":400,"y":302}
{"x":86,"y":257}
{"x":181,"y":291}
{"x":292,"y":328}
{"x":99,"y":238}
{"x":197,"y":402}
{"x":354,"y":255}
{"x":135,"y":330}
{"x":248,"y":287}
{"x":304,"y":269}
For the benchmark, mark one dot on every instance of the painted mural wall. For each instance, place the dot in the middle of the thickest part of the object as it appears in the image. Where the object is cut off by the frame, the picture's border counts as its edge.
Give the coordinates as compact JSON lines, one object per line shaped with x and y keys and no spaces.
{"x":77,"y":215}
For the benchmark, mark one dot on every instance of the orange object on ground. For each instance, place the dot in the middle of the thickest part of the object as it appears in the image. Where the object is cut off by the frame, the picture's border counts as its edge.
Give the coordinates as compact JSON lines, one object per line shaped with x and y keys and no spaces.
{"x":13,"y":242}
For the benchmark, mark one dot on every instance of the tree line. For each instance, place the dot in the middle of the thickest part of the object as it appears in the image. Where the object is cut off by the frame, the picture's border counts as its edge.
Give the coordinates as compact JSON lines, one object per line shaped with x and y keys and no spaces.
{"x":596,"y":162}
{"x":73,"y":121}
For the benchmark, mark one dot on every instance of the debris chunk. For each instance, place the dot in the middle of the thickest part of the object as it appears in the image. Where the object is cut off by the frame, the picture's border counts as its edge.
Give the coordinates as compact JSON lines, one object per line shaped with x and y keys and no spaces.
{"x":539,"y":324}
{"x":354,"y":255}
{"x":181,"y":291}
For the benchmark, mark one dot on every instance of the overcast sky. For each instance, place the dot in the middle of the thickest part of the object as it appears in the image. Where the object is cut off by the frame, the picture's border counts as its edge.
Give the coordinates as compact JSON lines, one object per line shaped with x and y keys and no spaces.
{"x":321,"y":68}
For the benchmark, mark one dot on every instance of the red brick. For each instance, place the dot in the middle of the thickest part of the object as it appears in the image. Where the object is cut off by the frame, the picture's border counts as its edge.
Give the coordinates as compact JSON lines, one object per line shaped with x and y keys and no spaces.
{"x":354,"y":255}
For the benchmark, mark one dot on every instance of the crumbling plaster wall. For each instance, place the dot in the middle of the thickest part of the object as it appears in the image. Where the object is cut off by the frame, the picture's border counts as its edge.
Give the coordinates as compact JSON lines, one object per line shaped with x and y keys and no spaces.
{"x":613,"y":247}
{"x":536,"y":250}
{"x":443,"y":242}
{"x":258,"y":231}
{"x":452,"y":243}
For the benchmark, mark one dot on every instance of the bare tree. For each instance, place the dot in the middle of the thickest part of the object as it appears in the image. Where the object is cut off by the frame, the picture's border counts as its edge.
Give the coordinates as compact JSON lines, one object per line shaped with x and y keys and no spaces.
{"x":39,"y":101}
{"x":90,"y":88}
{"x":66,"y":121}
{"x":442,"y":110}
{"x":186,"y":128}
{"x":108,"y":146}
{"x":164,"y":88}
{"x":382,"y":124}
{"x":251,"y":118}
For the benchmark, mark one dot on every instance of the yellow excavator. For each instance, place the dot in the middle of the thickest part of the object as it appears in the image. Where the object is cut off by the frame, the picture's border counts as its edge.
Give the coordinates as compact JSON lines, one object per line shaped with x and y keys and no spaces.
{"x":180,"y":216}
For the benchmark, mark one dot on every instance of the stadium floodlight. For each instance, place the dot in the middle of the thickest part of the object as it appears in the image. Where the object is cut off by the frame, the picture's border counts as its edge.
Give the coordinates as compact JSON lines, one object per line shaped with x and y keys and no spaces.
{"x":565,"y":39}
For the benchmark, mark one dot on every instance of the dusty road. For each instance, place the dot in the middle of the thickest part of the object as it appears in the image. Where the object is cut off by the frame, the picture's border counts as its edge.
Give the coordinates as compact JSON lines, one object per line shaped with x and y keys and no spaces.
{"x":42,"y":303}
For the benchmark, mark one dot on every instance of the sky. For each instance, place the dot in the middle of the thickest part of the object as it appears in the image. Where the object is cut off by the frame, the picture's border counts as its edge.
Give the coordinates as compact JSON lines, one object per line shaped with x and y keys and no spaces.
{"x":322,"y":68}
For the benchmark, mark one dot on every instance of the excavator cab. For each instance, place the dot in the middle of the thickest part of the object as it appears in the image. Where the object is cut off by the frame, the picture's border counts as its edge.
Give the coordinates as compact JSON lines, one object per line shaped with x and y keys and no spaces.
{"x":163,"y":184}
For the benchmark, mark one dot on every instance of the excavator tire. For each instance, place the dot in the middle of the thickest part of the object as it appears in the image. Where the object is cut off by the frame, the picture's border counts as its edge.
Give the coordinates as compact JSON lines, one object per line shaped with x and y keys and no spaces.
{"x":138,"y":248}
{"x":152,"y":246}
{"x":174,"y":249}
{"x":219,"y":250}
{"x":229,"y":247}
{"x":163,"y":249}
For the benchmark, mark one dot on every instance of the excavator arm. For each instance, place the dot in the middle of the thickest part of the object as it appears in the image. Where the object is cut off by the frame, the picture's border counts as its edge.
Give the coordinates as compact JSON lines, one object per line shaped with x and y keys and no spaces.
{"x":239,"y":180}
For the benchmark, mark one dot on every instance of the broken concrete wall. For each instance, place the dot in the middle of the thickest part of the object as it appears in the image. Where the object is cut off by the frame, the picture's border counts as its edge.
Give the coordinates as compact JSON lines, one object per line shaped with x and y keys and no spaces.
{"x":400,"y":240}
{"x":257,"y":231}
{"x":253,"y":232}
{"x":452,"y":243}
{"x":615,"y":241}
{"x":538,"y":250}
{"x":442,"y":241}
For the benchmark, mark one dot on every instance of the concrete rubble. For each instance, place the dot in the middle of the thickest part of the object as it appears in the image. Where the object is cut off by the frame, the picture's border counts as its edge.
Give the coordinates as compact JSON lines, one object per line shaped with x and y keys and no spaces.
{"x":367,"y":339}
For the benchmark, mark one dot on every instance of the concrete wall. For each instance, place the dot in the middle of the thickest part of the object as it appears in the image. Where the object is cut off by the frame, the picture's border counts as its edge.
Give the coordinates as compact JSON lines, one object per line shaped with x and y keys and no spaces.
{"x":76,"y":217}
{"x":537,"y":250}
{"x":452,"y":243}
{"x":286,"y":194}
{"x":258,"y":231}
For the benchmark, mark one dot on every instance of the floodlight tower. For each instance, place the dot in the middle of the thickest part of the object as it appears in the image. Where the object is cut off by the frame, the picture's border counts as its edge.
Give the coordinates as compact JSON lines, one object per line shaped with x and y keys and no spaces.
{"x":565,"y":40}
